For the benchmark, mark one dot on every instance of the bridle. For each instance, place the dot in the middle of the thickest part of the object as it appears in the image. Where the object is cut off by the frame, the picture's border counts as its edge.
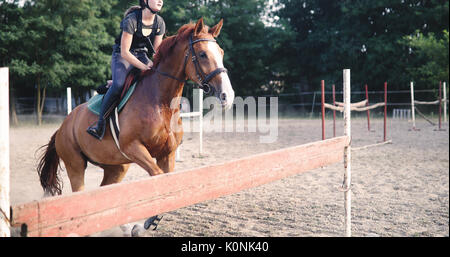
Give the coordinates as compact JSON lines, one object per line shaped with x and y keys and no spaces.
{"x":203,"y":78}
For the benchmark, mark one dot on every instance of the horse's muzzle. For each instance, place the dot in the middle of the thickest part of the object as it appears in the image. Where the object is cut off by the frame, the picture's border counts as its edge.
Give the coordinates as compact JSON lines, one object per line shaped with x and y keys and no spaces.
{"x":226,"y":98}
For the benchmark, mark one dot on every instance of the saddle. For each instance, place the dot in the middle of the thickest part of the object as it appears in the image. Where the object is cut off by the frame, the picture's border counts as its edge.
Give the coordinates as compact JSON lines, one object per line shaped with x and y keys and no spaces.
{"x":95,"y":102}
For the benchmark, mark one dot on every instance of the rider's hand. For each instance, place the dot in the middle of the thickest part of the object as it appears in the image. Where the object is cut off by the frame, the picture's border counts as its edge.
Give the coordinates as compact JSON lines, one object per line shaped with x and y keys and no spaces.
{"x":150,"y":64}
{"x":145,"y":67}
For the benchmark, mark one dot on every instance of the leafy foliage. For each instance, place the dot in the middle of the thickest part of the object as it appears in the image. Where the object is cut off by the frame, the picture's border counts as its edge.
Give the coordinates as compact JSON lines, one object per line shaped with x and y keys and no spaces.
{"x":361,"y":35}
{"x":431,"y":54}
{"x":271,"y":47}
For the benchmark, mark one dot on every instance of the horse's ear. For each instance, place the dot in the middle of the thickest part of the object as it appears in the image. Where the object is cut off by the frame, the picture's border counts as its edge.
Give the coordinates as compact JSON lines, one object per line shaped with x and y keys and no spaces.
{"x":215,"y":31}
{"x":199,"y":27}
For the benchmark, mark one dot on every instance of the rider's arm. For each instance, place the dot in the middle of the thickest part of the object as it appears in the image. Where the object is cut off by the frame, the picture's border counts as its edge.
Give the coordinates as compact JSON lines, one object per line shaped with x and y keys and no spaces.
{"x":125,"y":45}
{"x":158,"y":40}
{"x":159,"y":34}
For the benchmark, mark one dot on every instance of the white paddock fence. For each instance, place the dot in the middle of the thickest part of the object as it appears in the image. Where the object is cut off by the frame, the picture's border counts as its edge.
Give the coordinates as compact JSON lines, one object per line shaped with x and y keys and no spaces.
{"x":401,"y":114}
{"x":197,"y":111}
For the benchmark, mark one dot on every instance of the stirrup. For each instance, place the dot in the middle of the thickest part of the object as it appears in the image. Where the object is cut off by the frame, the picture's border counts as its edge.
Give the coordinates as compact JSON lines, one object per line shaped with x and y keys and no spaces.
{"x":94,"y":131}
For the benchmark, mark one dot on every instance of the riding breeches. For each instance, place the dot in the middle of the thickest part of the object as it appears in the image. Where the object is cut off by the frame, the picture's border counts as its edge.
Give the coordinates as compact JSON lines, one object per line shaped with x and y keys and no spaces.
{"x":120,"y":68}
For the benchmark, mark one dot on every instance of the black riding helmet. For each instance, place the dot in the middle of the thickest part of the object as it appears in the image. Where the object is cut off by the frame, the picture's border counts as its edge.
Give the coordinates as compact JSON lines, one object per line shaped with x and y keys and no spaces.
{"x":144,"y":4}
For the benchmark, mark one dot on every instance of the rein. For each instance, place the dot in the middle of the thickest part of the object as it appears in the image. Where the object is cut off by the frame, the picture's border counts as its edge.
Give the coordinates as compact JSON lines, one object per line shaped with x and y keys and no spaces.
{"x":203,"y":78}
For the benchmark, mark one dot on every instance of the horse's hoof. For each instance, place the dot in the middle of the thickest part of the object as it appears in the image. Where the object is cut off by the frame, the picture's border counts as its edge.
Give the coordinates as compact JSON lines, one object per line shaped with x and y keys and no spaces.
{"x":152,"y":221}
{"x":137,"y":231}
{"x":126,"y":229}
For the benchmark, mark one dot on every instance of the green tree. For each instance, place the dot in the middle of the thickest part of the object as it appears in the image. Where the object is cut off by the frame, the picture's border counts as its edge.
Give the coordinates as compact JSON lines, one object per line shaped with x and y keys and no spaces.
{"x":431,"y":58}
{"x":114,"y":16}
{"x":58,"y":44}
{"x":86,"y":44}
{"x":28,"y":49}
{"x":10,"y":36}
{"x":361,"y":35}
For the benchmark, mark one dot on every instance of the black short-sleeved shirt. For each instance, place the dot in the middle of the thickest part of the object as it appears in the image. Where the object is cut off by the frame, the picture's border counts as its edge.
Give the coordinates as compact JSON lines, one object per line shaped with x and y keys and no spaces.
{"x":130,"y":24}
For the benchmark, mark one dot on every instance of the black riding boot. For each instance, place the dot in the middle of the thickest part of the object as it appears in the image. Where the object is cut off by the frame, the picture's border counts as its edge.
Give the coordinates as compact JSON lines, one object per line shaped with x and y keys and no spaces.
{"x":99,"y":130}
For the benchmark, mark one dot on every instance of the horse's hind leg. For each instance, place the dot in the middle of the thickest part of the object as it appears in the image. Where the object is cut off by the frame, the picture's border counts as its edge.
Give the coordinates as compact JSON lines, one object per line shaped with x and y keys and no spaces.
{"x":75,"y":167}
{"x":113,"y":173}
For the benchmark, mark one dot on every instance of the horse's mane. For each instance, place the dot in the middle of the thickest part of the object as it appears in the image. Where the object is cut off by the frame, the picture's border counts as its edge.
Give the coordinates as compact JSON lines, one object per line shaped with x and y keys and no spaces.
{"x":166,"y":46}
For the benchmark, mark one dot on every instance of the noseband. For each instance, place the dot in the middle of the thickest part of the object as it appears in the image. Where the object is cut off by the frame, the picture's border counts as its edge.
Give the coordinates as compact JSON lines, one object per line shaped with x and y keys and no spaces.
{"x":203,"y":78}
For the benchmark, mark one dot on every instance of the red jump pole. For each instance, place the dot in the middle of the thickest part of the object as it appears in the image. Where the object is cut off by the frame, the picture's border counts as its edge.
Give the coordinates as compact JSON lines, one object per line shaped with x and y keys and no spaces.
{"x":334,"y":112}
{"x":368,"y":111}
{"x":323,"y":109}
{"x":385,"y":109}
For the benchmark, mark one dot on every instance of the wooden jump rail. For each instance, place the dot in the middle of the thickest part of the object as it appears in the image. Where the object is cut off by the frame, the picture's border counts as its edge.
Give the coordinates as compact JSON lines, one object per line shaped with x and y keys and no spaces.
{"x":427,"y":103}
{"x":336,"y":105}
{"x":91,"y":211}
{"x":354,"y":107}
{"x":358,"y":104}
{"x":96,"y":210}
{"x":359,"y":107}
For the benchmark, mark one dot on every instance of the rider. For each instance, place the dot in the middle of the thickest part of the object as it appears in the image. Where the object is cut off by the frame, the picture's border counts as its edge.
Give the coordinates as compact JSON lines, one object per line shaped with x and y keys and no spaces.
{"x":142,"y":31}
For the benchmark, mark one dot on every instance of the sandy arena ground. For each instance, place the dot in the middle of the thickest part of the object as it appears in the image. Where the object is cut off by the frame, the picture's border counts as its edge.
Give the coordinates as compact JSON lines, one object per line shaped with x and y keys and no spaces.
{"x":399,"y":189}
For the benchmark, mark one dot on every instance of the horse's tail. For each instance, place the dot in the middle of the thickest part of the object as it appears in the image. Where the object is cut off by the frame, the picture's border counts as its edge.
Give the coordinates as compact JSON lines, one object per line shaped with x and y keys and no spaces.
{"x":48,"y":169}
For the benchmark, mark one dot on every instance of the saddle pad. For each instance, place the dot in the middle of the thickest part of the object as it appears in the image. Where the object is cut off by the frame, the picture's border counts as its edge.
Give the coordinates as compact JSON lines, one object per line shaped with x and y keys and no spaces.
{"x":95,"y":103}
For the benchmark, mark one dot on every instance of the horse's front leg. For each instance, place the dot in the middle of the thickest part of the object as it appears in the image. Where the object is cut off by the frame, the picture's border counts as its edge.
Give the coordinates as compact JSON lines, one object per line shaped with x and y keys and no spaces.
{"x":139,"y":154}
{"x":167,"y":163}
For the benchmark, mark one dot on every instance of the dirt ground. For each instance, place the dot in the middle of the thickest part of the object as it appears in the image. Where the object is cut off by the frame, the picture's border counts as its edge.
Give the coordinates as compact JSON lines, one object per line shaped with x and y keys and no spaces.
{"x":399,"y":189}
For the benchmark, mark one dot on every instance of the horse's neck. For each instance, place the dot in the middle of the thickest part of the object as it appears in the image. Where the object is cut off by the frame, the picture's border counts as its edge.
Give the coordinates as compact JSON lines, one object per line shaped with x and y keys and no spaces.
{"x":160,"y":89}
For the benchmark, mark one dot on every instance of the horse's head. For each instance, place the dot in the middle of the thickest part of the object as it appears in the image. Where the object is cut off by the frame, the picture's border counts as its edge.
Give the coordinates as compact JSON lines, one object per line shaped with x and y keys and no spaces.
{"x":207,"y":67}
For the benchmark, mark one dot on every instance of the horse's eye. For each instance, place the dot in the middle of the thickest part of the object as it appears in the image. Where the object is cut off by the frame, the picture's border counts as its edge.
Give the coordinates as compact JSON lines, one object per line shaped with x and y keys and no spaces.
{"x":203,"y":55}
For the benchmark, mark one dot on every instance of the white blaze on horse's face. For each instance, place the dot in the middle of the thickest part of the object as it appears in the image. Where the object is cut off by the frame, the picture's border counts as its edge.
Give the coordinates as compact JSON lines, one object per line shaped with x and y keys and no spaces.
{"x":224,"y":90}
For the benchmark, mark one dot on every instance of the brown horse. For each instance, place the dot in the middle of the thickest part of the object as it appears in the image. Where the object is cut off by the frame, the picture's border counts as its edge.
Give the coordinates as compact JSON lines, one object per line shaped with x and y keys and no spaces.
{"x":149,"y":118}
